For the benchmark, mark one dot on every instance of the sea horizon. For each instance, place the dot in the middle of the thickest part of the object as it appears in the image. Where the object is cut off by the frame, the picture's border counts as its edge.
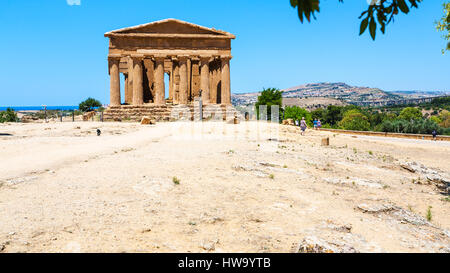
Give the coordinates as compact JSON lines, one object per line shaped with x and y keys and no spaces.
{"x":37,"y":108}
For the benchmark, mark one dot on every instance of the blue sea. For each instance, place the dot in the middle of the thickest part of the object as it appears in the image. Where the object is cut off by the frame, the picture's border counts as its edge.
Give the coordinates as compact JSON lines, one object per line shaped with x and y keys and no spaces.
{"x":31,"y":108}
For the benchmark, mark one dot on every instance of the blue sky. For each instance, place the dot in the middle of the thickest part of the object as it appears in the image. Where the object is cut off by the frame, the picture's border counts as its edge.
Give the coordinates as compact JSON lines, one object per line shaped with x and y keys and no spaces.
{"x":55,"y":53}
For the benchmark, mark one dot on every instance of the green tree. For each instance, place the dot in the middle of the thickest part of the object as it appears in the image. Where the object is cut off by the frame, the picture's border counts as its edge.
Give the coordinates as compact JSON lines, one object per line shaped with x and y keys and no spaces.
{"x":418,"y":126}
{"x":436,"y":119}
{"x":410,"y":113}
{"x":379,"y":12}
{"x":443,"y":25}
{"x":445,"y":119}
{"x":269,"y":97}
{"x":390,"y":116}
{"x":333,"y":114}
{"x":297,"y":113}
{"x":376,"y":118}
{"x":355,"y":120}
{"x":319,"y":113}
{"x":89,"y":105}
{"x":8,"y":116}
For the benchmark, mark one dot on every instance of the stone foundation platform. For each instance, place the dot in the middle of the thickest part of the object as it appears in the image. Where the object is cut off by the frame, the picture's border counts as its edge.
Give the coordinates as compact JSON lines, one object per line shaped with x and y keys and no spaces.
{"x":170,"y":112}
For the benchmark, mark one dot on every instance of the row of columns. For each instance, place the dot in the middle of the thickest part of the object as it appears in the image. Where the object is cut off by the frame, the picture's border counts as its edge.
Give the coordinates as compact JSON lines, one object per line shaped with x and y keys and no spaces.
{"x":134,"y":85}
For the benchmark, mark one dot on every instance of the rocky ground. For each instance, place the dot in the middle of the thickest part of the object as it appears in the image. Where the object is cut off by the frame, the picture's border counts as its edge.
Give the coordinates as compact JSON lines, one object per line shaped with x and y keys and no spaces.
{"x":217,"y":187}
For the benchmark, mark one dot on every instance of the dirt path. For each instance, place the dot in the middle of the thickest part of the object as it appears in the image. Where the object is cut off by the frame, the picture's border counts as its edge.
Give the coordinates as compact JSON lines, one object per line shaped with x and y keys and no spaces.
{"x":64,"y":189}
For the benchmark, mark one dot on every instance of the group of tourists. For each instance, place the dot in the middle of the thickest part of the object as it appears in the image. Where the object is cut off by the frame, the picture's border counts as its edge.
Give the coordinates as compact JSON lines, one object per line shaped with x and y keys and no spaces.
{"x":317,"y":124}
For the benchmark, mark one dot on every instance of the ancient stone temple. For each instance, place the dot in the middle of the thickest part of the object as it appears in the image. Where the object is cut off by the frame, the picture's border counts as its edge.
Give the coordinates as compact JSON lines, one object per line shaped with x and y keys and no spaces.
{"x":186,"y":57}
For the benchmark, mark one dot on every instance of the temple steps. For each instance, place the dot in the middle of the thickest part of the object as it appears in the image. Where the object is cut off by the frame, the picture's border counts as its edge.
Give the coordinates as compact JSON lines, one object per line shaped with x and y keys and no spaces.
{"x":169,"y":112}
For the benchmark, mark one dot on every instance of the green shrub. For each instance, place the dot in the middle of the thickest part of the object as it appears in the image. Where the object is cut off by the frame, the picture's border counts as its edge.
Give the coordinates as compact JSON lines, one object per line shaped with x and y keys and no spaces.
{"x":176,"y":180}
{"x":429,"y":214}
{"x":8,"y":116}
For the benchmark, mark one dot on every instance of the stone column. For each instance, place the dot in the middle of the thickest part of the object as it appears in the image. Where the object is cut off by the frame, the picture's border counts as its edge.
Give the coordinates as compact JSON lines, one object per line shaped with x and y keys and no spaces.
{"x":176,"y":83}
{"x":115,"y":81}
{"x":129,"y":95}
{"x":226,"y":90}
{"x":204,"y":78}
{"x":171,"y":89}
{"x":159,"y":81}
{"x":189,"y":78}
{"x":215,"y":82}
{"x":149,"y":76}
{"x":212,"y":97}
{"x":138,"y":88}
{"x":183,"y":80}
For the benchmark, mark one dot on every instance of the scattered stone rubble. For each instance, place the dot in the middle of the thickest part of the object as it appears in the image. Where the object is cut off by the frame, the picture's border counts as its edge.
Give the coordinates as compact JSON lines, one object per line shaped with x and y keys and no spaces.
{"x":439,"y":179}
{"x":18,"y":180}
{"x":397,"y":213}
{"x":424,"y":234}
{"x":313,"y":244}
{"x":263,"y":169}
{"x":354,"y":181}
{"x":334,"y":238}
{"x":209,"y":245}
{"x":255,"y":171}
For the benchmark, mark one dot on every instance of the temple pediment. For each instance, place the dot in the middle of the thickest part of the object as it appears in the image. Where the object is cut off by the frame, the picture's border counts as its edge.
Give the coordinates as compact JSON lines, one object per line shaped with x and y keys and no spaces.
{"x":170,"y":28}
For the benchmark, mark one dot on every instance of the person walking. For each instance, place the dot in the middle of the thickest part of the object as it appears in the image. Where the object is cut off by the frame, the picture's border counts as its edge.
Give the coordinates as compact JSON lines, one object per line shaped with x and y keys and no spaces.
{"x":303,"y":125}
{"x":434,"y":133}
{"x":319,"y":124}
{"x":315,"y":124}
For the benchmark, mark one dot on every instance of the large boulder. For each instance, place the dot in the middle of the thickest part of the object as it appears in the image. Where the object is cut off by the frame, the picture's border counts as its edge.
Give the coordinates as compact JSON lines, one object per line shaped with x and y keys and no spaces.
{"x":147,"y":121}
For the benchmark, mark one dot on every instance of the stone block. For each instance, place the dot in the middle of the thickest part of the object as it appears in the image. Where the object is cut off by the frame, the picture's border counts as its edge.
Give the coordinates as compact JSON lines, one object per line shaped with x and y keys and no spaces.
{"x":87,"y":116}
{"x":288,"y":121}
{"x":147,"y":121}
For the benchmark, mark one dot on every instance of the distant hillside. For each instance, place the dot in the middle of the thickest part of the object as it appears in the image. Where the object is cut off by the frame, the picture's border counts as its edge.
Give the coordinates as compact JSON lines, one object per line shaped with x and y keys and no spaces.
{"x":339,"y":91}
{"x":419,"y":94}
{"x":312,"y":102}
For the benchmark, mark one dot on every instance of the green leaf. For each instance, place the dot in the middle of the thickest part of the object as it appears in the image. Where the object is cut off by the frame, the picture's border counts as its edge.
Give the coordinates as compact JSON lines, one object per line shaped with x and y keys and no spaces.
{"x":300,"y":14}
{"x":403,"y":6}
{"x":364,"y":25}
{"x":373,"y":28}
